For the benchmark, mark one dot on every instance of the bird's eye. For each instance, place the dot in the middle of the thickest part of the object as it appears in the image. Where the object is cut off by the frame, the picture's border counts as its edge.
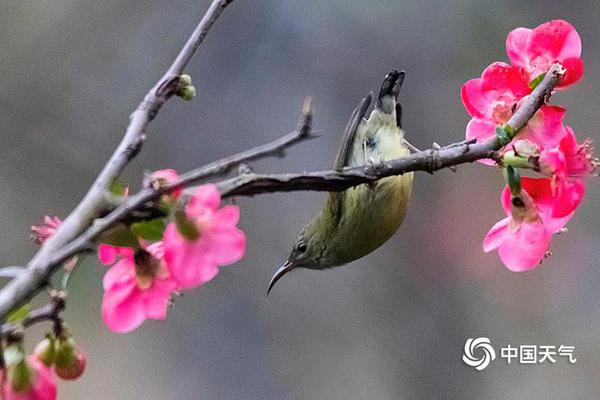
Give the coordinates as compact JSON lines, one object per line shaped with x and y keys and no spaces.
{"x":301,"y":247}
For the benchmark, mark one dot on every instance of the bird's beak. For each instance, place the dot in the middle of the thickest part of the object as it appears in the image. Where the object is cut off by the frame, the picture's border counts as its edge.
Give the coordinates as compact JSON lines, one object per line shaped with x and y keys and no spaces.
{"x":284,"y":269}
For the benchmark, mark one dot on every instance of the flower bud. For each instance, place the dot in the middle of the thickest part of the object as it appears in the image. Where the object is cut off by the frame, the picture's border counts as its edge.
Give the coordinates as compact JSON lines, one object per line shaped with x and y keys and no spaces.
{"x":69,"y":361}
{"x":185,"y":79}
{"x":45,"y":351}
{"x":187,"y":93}
{"x":19,"y":377}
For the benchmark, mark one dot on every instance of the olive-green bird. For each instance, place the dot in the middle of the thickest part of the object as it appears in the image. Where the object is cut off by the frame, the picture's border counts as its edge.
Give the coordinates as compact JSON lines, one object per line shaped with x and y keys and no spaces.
{"x":357,"y":221}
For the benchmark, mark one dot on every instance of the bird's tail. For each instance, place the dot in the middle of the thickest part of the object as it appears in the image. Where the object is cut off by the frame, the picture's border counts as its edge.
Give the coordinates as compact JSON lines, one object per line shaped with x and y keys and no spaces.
{"x":387,"y":101}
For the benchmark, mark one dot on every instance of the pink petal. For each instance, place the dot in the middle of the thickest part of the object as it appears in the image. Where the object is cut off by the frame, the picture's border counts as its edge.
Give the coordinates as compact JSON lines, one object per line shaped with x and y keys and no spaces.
{"x":537,"y":49}
{"x":206,"y":197}
{"x":122,"y":273}
{"x":108,"y":254}
{"x":546,"y":128}
{"x":540,"y":190}
{"x":570,"y":195}
{"x":45,"y":383}
{"x":505,"y":81}
{"x":169,"y":176}
{"x":187,"y":261}
{"x":482,"y":131}
{"x":227,"y":216}
{"x":123,"y":308}
{"x":505,"y":199}
{"x":156,"y":298}
{"x":525,"y":249}
{"x":574,"y":71}
{"x":517,"y":43}
{"x":476,"y":104}
{"x":225,"y":245}
{"x":496,"y":234}
{"x":557,"y":38}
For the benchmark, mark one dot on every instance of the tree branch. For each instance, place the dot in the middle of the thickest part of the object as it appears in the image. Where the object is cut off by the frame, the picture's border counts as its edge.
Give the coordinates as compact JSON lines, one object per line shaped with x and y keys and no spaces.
{"x":93,"y":204}
{"x":249,"y":184}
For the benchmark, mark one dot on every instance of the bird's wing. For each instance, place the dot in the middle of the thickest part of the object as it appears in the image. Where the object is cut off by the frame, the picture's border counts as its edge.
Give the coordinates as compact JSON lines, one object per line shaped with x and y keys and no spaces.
{"x":335,"y":201}
{"x":356,"y":118}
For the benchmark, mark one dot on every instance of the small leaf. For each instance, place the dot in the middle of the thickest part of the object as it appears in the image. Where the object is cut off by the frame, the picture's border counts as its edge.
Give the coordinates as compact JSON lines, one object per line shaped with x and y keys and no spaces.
{"x":117,"y":188}
{"x":502,"y":135}
{"x":513,"y":177}
{"x":19,"y":314}
{"x":119,"y":236}
{"x":533,"y":84}
{"x":150,"y":230}
{"x":185,"y":226}
{"x":10,"y":272}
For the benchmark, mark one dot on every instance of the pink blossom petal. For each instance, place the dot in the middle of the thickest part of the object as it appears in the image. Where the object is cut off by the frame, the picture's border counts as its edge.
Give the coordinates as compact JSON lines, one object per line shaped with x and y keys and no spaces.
{"x":570,"y":195}
{"x":122,"y":273}
{"x":557,"y":38}
{"x":537,"y":49}
{"x":476,"y":104}
{"x":481,"y":131}
{"x":501,"y":80}
{"x":226,"y":245}
{"x":121,"y":309}
{"x":546,"y":128}
{"x":227,"y":216}
{"x":516,"y":42}
{"x":187,"y":261}
{"x":496,"y":234}
{"x":157,"y":298}
{"x":205,"y":197}
{"x":574,"y":71}
{"x":526,"y":248}
{"x":168,"y":176}
{"x":45,"y":382}
{"x":108,"y":254}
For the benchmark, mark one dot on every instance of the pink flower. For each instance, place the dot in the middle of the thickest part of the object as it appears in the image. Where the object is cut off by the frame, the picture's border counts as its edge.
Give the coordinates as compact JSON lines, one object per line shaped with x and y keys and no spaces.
{"x":165,"y":177}
{"x":537,"y":49}
{"x":492,"y":99}
{"x":220,"y":242}
{"x":523,"y":237}
{"x":137,"y":287}
{"x":41,"y":232}
{"x":41,"y":387}
{"x":568,"y":164}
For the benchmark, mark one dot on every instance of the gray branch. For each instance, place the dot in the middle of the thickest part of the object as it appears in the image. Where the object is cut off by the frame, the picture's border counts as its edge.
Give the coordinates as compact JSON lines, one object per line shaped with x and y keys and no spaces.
{"x":35,"y":277}
{"x":81,"y":235}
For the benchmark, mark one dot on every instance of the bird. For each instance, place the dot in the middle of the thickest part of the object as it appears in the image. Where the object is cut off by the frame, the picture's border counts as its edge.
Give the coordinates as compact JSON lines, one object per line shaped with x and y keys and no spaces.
{"x":357,"y":221}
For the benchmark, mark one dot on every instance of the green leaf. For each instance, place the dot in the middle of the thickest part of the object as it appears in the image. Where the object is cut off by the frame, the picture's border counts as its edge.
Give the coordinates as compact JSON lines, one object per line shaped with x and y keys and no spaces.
{"x":503,"y":136}
{"x":533,"y":84}
{"x":513,"y":177}
{"x":120,"y":236}
{"x":117,"y":188}
{"x":19,"y":314}
{"x":185,"y":226}
{"x":150,"y":230}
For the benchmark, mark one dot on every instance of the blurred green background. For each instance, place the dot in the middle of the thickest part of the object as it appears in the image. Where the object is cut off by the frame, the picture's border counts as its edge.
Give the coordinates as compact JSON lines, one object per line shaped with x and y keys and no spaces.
{"x":390,"y":326}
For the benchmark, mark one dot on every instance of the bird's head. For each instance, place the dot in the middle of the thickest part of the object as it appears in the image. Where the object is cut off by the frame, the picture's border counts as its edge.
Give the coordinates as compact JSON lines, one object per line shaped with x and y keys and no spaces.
{"x":309,"y":251}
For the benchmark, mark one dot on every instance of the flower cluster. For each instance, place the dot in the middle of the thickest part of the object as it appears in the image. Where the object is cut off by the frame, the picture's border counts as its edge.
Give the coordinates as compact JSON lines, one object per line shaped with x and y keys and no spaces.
{"x":536,"y":208}
{"x":166,"y":256}
{"x":33,"y":377}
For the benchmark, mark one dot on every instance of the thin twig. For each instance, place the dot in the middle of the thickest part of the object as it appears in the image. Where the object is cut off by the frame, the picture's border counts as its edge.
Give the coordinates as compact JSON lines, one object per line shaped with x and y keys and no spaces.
{"x":24,"y":286}
{"x":49,"y":312}
{"x":251,"y":184}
